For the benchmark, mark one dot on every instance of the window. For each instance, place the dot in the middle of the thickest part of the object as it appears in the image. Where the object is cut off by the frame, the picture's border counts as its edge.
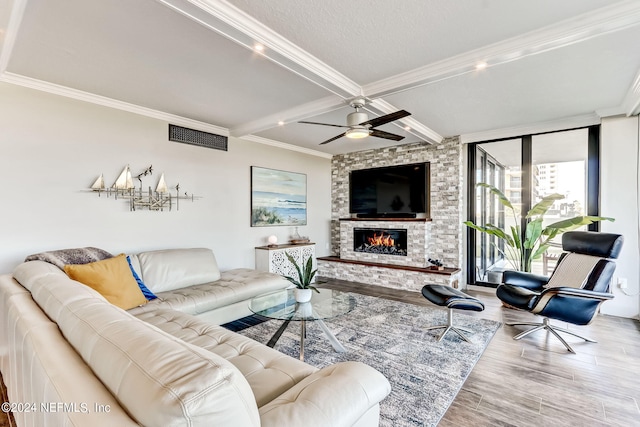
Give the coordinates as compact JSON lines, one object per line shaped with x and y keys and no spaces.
{"x":530,"y":168}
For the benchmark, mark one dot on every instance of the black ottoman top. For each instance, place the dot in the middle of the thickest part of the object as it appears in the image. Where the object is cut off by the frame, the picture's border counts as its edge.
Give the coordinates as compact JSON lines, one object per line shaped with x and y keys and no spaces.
{"x":446,"y":296}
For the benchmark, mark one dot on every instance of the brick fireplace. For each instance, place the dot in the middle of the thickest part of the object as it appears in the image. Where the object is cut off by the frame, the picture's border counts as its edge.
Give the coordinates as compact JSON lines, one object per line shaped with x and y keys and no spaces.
{"x":439,"y":238}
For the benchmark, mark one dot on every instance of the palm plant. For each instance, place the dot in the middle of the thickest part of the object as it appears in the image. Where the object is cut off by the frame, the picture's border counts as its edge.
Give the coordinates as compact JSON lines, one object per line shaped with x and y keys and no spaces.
{"x":305,"y":275}
{"x":521,"y":249}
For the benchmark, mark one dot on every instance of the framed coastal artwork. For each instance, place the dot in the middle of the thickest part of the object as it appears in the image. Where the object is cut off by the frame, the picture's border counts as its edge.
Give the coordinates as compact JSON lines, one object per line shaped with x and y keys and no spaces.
{"x":278,"y":197}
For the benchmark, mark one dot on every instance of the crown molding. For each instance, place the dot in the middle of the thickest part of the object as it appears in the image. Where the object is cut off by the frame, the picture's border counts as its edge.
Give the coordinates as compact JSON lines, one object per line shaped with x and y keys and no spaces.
{"x":111,"y":103}
{"x":575,"y":30}
{"x":632,"y":100}
{"x":533,"y":128}
{"x":278,"y":144}
{"x":8,"y":40}
{"x":239,"y":27}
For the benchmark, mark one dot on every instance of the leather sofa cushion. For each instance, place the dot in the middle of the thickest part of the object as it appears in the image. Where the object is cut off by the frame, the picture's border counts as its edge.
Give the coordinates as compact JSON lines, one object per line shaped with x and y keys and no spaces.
{"x":112,"y":278}
{"x":159,"y":379}
{"x":269,"y":372}
{"x":40,"y":367}
{"x":170,"y":269}
{"x":234,"y":286}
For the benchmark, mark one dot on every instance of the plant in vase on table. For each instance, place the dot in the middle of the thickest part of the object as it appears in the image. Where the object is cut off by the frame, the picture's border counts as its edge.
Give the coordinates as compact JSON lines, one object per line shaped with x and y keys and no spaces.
{"x":303,"y":281}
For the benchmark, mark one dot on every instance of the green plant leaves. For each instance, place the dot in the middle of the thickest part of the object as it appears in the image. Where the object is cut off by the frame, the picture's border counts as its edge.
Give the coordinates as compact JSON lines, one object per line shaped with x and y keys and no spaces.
{"x":536,"y":237}
{"x":541,"y":208}
{"x":576,"y":222}
{"x":491,"y":229}
{"x":305,"y":276}
{"x":501,"y":197}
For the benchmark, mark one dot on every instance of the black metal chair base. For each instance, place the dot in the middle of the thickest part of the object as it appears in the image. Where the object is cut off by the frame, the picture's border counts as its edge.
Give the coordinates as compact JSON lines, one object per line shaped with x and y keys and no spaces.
{"x":546,"y":325}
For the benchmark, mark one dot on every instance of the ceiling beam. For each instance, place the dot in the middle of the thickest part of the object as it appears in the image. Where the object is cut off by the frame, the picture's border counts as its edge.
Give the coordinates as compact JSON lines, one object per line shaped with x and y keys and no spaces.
{"x":234,"y":24}
{"x":408,"y":124}
{"x":632,"y":100}
{"x":575,"y":30}
{"x":239,"y":27}
{"x":292,"y":115}
{"x":533,"y":128}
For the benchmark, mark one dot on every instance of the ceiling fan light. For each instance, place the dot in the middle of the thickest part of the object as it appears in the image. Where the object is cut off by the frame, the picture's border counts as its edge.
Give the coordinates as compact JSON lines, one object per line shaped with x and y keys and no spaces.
{"x":357,"y":133}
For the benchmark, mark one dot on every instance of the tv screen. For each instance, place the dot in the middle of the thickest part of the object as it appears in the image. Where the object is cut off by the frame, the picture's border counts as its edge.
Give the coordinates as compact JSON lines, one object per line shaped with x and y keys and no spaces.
{"x":387,"y":191}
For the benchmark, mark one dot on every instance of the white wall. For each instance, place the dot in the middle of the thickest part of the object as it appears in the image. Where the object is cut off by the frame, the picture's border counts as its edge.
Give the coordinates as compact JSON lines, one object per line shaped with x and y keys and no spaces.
{"x":52,"y":149}
{"x":619,"y":199}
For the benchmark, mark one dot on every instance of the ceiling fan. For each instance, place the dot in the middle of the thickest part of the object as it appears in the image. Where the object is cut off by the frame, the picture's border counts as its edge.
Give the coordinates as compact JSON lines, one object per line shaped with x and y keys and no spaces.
{"x":359,"y":125}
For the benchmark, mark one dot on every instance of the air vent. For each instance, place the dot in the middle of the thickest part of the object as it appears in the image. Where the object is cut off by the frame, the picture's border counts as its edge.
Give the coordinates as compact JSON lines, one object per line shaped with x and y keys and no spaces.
{"x":196,"y":137}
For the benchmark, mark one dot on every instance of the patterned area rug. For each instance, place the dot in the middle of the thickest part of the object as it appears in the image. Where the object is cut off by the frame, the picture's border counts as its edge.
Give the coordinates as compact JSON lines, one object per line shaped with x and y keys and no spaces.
{"x":425,"y":375}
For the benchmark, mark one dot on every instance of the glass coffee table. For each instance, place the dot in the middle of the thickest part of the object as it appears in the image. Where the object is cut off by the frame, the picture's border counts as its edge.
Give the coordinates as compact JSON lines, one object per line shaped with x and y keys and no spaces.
{"x":281,"y":305}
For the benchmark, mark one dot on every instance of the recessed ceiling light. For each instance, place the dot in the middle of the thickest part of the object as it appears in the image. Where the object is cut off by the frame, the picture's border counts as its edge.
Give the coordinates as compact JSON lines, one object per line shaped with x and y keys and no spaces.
{"x":280,"y":123}
{"x":481,"y":65}
{"x":258,"y":47}
{"x":407,"y":128}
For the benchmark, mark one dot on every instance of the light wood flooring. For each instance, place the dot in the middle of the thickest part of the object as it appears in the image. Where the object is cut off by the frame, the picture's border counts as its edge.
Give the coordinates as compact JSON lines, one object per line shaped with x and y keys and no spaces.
{"x":535,"y":381}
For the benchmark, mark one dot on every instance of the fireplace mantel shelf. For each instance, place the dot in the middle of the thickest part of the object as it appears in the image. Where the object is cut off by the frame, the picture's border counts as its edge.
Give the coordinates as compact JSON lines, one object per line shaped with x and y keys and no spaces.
{"x":448,"y":271}
{"x":388,"y":219}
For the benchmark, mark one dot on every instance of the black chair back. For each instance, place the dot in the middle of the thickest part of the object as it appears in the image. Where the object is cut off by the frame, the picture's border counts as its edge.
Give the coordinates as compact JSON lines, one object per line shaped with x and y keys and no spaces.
{"x":603,"y":245}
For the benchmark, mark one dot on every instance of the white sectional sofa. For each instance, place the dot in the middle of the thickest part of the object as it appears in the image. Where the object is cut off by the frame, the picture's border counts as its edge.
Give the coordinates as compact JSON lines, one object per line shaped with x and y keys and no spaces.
{"x":69,"y":357}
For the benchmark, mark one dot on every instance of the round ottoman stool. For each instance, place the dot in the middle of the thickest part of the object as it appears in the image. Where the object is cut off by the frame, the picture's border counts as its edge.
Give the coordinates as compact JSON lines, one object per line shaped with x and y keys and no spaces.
{"x":446,"y":296}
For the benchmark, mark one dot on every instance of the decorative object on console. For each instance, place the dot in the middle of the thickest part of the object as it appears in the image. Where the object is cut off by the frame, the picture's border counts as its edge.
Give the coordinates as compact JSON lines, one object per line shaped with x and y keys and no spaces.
{"x":297,"y":239}
{"x":273,"y":241}
{"x":523,"y":247}
{"x":304,"y":279}
{"x":153,"y":200}
{"x":278,"y":197}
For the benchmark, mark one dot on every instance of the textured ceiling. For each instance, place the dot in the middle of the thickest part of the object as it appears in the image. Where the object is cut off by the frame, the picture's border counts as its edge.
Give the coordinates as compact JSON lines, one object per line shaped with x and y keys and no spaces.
{"x":550,"y":64}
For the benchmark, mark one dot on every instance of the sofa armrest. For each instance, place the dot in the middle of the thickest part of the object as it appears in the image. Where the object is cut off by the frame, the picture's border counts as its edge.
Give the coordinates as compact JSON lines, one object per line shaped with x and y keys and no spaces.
{"x":337,"y":395}
{"x":525,"y":280}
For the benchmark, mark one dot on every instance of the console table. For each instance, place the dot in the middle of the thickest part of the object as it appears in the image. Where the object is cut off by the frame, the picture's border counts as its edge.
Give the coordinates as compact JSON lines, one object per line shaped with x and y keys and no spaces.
{"x":274,"y":260}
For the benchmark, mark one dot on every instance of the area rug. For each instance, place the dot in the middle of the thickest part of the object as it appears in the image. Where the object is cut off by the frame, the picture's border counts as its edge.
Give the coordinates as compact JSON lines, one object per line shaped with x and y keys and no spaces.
{"x":425,"y":375}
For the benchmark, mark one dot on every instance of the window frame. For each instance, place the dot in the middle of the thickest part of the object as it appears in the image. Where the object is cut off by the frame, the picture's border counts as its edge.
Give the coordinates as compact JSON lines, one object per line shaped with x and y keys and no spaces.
{"x":592,"y":183}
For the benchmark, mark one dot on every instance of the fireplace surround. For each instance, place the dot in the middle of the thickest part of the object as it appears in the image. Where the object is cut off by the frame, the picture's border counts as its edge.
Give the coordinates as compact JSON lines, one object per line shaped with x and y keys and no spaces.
{"x":410,"y":236}
{"x":444,"y":230}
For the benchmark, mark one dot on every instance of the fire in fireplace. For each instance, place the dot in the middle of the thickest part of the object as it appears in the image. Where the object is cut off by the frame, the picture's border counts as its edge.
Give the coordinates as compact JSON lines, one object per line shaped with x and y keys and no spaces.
{"x":380,"y":241}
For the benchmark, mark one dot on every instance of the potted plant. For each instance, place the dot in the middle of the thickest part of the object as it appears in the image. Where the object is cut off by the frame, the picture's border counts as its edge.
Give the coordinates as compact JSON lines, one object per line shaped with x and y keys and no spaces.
{"x":303,"y":281}
{"x":521,"y":249}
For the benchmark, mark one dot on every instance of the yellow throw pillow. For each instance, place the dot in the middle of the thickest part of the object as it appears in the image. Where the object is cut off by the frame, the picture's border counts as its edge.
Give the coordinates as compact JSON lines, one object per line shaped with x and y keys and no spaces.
{"x":112,"y":278}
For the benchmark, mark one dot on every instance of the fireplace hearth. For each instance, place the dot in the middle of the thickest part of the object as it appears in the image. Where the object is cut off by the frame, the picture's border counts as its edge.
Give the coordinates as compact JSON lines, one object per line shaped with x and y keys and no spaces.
{"x":380,"y":241}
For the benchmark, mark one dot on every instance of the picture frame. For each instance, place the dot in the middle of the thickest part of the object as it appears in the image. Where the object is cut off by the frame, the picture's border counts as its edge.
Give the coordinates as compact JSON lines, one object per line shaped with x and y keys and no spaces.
{"x":278,"y":198}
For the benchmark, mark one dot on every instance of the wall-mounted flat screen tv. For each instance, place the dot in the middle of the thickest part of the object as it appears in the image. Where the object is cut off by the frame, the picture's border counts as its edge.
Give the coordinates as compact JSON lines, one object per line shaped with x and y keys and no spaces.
{"x":394,"y":191}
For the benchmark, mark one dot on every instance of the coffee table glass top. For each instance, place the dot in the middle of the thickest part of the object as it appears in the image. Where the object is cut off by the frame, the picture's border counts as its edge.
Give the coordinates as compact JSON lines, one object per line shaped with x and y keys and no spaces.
{"x":283,"y":306}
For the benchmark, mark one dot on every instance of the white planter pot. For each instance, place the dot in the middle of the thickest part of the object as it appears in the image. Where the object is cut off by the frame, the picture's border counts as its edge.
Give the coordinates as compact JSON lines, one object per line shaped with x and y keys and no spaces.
{"x":302,"y":295}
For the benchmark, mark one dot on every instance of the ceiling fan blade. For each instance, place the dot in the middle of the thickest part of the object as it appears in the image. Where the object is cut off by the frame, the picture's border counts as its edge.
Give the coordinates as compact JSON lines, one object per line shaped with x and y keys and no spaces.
{"x":379,"y":121}
{"x":323,"y":124}
{"x":333,"y":139}
{"x":386,"y":135}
